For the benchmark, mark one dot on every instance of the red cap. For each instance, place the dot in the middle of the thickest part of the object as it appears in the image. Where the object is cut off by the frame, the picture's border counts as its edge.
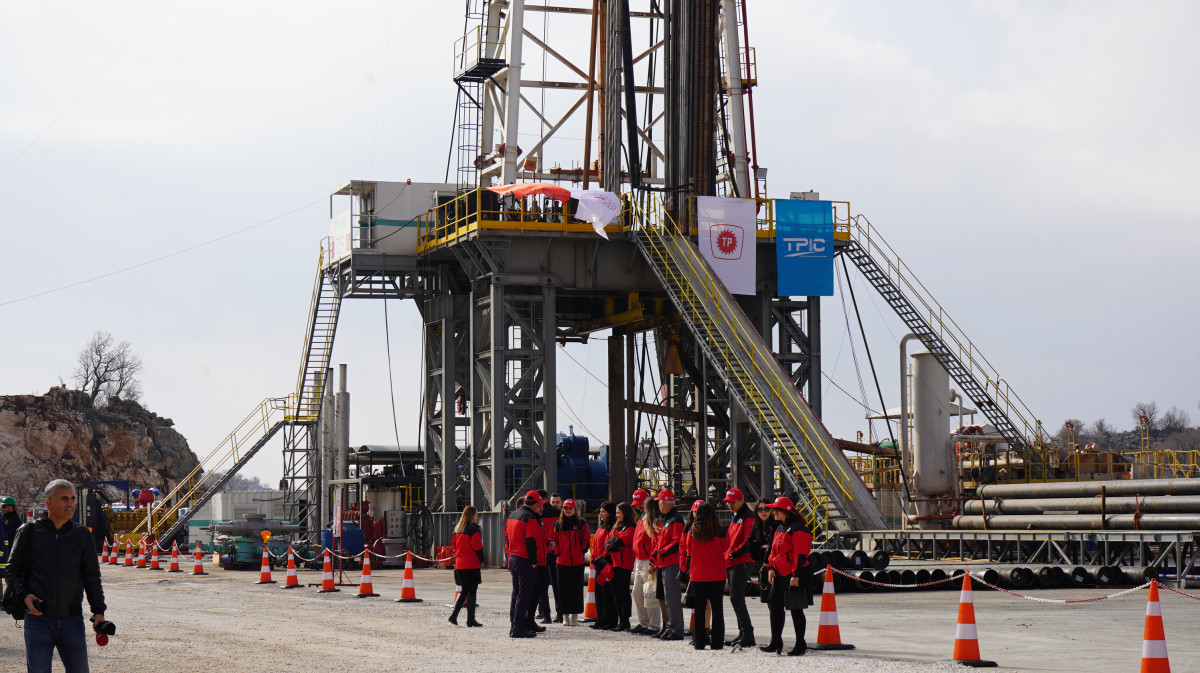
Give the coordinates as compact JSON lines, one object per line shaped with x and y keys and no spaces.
{"x":696,"y":505}
{"x":666,"y":495}
{"x":640,"y":496}
{"x":782,"y":502}
{"x":568,"y":504}
{"x":532,"y":498}
{"x":733,"y":494}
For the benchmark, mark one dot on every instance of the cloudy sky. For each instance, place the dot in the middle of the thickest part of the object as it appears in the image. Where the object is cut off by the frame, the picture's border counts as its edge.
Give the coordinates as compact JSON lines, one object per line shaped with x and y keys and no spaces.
{"x":1034,"y":162}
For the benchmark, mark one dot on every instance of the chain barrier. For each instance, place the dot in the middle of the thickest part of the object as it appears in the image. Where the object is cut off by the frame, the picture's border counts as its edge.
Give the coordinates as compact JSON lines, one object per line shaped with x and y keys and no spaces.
{"x":1177,"y":591}
{"x":1036,"y":599}
{"x":352,"y":557}
{"x":893,"y":586}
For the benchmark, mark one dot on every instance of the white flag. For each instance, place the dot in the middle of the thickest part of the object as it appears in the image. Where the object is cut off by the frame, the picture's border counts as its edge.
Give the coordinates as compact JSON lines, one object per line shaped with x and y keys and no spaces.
{"x":598,"y":207}
{"x":727,"y":240}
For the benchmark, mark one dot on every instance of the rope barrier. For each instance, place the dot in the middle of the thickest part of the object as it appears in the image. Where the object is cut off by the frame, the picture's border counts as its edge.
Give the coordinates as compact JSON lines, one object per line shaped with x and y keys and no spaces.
{"x":352,"y":557}
{"x":1036,"y":599}
{"x":1181,"y":593}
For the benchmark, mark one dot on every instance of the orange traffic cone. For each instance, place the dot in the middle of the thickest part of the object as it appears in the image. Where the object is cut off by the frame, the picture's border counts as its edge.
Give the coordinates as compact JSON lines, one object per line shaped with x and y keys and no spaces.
{"x":589,"y":600}
{"x":327,"y":576}
{"x":198,"y":566}
{"x":141,"y":562}
{"x":104,"y":552}
{"x":292,"y":581}
{"x":174,"y":558}
{"x":408,"y":590}
{"x":127,"y":557}
{"x":264,"y":573}
{"x":1154,"y":639}
{"x":112,"y":552}
{"x":829,"y":636}
{"x":154,"y":564}
{"x":966,"y":639}
{"x":365,"y":590}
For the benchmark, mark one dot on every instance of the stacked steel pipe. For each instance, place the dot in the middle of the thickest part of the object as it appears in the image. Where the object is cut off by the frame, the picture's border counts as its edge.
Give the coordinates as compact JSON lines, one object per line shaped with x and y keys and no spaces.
{"x":1138,"y":504}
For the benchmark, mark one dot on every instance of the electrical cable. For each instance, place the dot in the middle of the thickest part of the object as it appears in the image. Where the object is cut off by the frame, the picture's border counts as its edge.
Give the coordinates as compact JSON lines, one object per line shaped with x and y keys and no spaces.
{"x":853,"y":352}
{"x":166,"y":256}
{"x":387,"y":337}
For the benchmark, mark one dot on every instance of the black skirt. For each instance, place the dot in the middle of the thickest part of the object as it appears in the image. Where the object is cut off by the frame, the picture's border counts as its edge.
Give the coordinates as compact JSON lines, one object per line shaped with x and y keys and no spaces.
{"x":470,"y":576}
{"x":570,"y":589}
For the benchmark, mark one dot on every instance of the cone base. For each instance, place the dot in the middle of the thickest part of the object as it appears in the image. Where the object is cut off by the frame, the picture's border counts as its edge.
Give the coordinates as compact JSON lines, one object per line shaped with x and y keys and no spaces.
{"x":835,"y":646}
{"x":265,"y":582}
{"x":199,"y":573}
{"x":174,"y":571}
{"x":975,"y":663}
{"x":409,"y":600}
{"x":291,"y":586}
{"x":328,"y":591}
{"x":366,"y":595}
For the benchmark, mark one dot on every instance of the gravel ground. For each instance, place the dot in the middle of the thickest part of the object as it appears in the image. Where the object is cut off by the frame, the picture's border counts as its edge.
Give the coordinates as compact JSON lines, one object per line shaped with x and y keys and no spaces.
{"x":227,"y":622}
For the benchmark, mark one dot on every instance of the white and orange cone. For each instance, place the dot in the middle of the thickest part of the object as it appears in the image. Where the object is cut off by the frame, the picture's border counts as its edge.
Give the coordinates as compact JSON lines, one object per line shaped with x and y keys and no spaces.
{"x":154,"y":564}
{"x":327,"y":576}
{"x":174,"y":558}
{"x":1154,"y":638}
{"x":293,"y":580}
{"x":966,"y":638}
{"x":589,"y":599}
{"x":198,"y":565}
{"x":127,"y":557}
{"x":113,"y":553}
{"x":408,"y":591}
{"x":264,"y":573}
{"x":829,"y":636}
{"x":141,"y":561}
{"x":104,"y":552}
{"x":365,"y":590}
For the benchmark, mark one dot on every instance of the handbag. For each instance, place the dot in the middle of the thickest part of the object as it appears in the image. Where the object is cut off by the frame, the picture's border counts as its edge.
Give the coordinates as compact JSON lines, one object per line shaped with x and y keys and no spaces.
{"x":764,"y":585}
{"x":649,"y":589}
{"x":796,"y":598}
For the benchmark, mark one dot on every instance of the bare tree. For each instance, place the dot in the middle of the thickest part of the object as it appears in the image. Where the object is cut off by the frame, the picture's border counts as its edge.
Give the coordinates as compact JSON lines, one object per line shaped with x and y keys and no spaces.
{"x":106,"y":369}
{"x":1175,"y":420}
{"x":1101,"y":431}
{"x":1147,"y":409}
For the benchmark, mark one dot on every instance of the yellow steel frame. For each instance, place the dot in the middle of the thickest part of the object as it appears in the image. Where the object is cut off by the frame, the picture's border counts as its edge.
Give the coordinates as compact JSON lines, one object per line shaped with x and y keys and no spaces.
{"x":711,"y":299}
{"x":765,"y":218}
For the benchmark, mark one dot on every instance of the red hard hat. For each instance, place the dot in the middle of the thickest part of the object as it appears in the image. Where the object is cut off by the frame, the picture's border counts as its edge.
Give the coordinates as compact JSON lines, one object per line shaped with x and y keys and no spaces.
{"x":696,"y":505}
{"x":666,"y":495}
{"x":639,"y":497}
{"x":733,"y":494}
{"x":782,"y":502}
{"x":532,"y":498}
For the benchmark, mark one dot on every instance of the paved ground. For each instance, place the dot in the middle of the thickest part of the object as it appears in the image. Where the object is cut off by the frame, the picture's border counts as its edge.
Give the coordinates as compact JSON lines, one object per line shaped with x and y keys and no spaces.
{"x":226,"y":622}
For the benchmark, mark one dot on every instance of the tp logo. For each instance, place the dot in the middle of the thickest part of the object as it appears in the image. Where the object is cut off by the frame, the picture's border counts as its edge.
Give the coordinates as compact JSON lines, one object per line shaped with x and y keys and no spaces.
{"x":803,"y":247}
{"x":725,"y":240}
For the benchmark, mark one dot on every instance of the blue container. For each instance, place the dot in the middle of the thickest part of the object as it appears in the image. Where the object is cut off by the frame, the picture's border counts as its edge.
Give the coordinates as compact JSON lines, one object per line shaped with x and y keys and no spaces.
{"x":354,"y":539}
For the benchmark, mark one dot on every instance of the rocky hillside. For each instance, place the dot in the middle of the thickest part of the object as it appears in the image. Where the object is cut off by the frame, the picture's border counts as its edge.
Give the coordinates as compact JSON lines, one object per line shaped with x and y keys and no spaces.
{"x":61,"y":434}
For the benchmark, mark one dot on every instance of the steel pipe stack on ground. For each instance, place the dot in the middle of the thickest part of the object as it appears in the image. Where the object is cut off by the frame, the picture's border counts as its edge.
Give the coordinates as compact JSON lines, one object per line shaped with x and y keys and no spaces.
{"x":1079,"y":522}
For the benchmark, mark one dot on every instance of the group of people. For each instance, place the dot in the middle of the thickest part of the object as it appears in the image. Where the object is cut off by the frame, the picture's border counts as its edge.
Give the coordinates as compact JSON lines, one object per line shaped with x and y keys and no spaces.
{"x":649,"y":561}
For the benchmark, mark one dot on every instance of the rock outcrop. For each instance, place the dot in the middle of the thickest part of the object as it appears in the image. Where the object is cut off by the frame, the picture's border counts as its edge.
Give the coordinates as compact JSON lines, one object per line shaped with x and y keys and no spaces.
{"x":62,"y":435}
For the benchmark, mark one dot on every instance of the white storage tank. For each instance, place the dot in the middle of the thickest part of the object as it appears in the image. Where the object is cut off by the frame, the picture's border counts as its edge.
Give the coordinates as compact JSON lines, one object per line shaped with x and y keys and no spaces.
{"x":932,"y":455}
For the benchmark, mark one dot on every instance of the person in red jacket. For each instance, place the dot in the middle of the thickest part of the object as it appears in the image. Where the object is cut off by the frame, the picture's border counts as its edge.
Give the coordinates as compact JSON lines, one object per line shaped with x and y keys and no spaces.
{"x":525,"y":547}
{"x":548,"y":574}
{"x":788,"y":570}
{"x":468,"y":559}
{"x":572,"y":534}
{"x":648,"y":611}
{"x":738,"y":562}
{"x":606,"y":609}
{"x":666,"y":560}
{"x":706,"y":555}
{"x":619,"y":546}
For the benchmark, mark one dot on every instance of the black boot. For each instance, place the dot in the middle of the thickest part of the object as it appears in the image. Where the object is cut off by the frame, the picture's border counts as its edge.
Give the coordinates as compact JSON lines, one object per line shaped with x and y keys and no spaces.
{"x":775,"y":646}
{"x":737,"y":640}
{"x":799,"y":650}
{"x":454,"y":617}
{"x":471,"y":616}
{"x":746,"y":639}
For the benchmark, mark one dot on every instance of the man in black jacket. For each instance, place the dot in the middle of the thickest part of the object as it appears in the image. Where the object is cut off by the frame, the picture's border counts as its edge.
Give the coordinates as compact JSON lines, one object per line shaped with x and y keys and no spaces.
{"x":53,"y":563}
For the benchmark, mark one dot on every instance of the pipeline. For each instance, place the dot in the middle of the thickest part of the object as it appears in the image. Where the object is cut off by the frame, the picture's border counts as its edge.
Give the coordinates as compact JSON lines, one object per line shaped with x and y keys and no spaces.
{"x":1079,"y":522}
{"x":1118,"y":487}
{"x":1159,"y":504}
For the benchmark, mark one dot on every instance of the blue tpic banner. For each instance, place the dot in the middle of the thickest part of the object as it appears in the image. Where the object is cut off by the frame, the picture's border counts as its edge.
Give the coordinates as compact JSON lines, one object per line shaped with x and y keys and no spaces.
{"x":804,"y":247}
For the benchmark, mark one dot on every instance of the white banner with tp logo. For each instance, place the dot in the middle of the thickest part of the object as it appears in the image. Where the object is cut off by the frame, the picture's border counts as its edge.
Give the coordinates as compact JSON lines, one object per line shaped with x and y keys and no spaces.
{"x":727,"y":240}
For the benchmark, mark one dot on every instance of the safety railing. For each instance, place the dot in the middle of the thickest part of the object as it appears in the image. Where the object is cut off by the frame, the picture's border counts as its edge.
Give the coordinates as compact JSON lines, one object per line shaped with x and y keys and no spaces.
{"x":709,"y":292}
{"x":865,"y":234}
{"x":765,"y":218}
{"x":308,"y":393}
{"x":227,"y":453}
{"x":480,"y":209}
{"x":476,"y":47}
{"x":878,"y":471}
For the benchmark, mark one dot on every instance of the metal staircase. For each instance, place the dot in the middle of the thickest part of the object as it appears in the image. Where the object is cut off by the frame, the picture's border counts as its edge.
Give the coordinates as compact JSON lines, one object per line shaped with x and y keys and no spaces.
{"x":318,"y":347}
{"x":830,"y":494}
{"x":977,"y":378}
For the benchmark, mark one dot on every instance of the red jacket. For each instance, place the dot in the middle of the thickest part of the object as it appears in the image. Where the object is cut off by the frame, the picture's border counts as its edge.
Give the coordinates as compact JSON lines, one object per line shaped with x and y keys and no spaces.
{"x":738,"y":535}
{"x":549,"y":519}
{"x":704,"y":561}
{"x":622,"y":556}
{"x":790,"y":549}
{"x":598,"y":540}
{"x":643,"y":544}
{"x":523,"y":537}
{"x":666,"y":545}
{"x":468,"y":548}
{"x":572,"y":543}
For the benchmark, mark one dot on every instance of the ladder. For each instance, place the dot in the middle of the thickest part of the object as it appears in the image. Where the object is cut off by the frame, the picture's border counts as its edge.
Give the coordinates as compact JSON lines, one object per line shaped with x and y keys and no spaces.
{"x":926,"y":318}
{"x":830,"y":494}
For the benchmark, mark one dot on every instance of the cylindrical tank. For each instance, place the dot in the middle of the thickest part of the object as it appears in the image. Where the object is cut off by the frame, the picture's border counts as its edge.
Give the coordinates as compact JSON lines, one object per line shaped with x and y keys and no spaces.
{"x":341,"y":428}
{"x":933,"y":461}
{"x":1184,"y":522}
{"x":1115,"y":488}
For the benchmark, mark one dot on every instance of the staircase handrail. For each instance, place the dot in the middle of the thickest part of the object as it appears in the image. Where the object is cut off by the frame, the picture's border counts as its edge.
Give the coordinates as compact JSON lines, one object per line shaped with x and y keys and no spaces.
{"x":314,"y":302}
{"x":870,"y":240}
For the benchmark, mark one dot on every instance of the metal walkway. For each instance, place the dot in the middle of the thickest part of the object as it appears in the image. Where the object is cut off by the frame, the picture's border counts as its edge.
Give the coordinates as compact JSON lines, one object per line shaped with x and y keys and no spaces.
{"x":831,"y":495}
{"x":977,"y":378}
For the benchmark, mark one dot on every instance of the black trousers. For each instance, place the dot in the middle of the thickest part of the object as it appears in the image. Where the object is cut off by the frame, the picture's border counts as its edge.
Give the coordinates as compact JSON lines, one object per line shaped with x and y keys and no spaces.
{"x":467,"y":597}
{"x":622,"y":598}
{"x":551,"y":583}
{"x":739,"y":575}
{"x":524,"y":579}
{"x":606,"y":605}
{"x":706,"y":594}
{"x":775,"y":603}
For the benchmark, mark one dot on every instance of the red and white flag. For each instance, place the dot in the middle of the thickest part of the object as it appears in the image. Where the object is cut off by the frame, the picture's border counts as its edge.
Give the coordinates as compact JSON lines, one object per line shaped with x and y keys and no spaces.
{"x":598,"y":207}
{"x":727,"y":240}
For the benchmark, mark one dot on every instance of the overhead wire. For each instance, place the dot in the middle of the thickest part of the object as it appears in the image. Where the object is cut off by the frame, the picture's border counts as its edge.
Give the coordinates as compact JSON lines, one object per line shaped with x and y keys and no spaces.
{"x":853,"y":351}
